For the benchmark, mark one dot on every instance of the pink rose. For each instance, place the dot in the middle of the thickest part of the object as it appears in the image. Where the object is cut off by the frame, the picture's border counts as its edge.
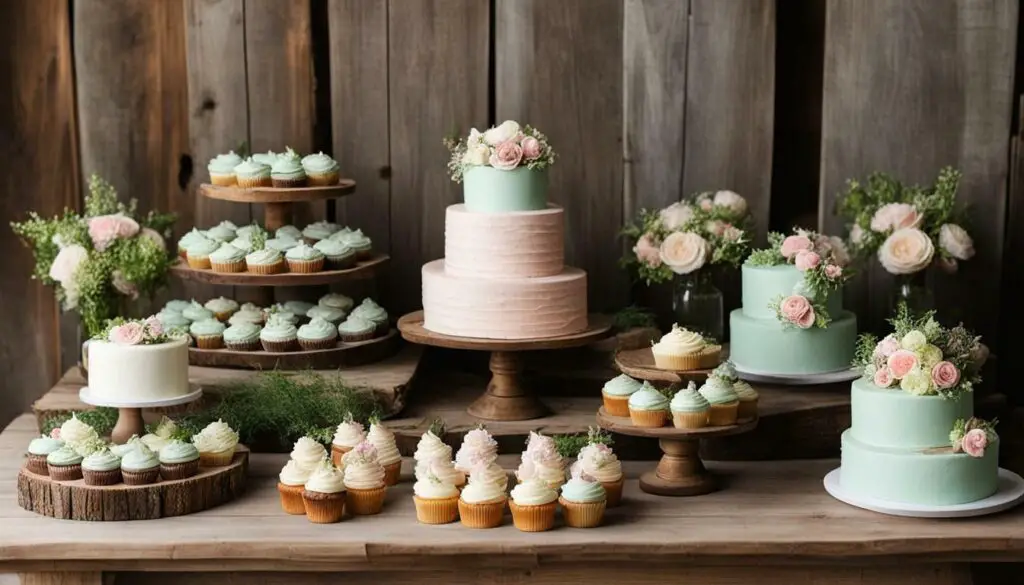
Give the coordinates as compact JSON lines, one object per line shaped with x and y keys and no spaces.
{"x":732,"y":233}
{"x":807,"y":260}
{"x":123,"y":285}
{"x":901,"y":362}
{"x":104,"y":229}
{"x":131,"y":333}
{"x":716,"y":227}
{"x":883,"y":378}
{"x":507,"y":156}
{"x":798,"y":311}
{"x":974,"y":443}
{"x":887,"y":346}
{"x":793,"y":244}
{"x":894,"y":216}
{"x":833,"y":271}
{"x":154,"y":326}
{"x":648,"y":251}
{"x":531,"y":147}
{"x":945,"y":375}
{"x":55,"y":433}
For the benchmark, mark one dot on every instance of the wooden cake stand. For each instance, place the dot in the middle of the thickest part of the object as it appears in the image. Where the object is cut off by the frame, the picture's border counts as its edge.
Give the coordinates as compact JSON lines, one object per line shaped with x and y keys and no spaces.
{"x":343,"y":355}
{"x":639,"y":364}
{"x":680,"y":471}
{"x":129,"y":413}
{"x":506,"y":397}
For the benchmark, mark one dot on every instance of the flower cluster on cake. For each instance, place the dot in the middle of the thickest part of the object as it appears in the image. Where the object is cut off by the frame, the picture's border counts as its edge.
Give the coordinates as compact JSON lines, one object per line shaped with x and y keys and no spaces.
{"x":704,"y":230}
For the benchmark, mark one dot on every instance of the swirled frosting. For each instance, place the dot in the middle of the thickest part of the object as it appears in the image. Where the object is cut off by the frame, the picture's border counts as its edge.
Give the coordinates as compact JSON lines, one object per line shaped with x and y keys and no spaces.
{"x":444,"y":469}
{"x":356,"y":325}
{"x":689,"y":400}
{"x":744,"y":391}
{"x":221,"y":233}
{"x":139,"y":458}
{"x":431,"y":448}
{"x":308,"y":454}
{"x":246,"y":316}
{"x":66,"y":455}
{"x":334,"y":249}
{"x":154,"y":442}
{"x":280,"y":244}
{"x":326,"y":479}
{"x":318,"y":329}
{"x":349,"y":434}
{"x":217,"y":437}
{"x":363,"y":470}
{"x":304,"y":252}
{"x":293,"y":474}
{"x":481,"y":489}
{"x":190,"y":237}
{"x":202,"y":248}
{"x":432,"y":487}
{"x":356,"y":239}
{"x":533,"y":492}
{"x":75,"y":431}
{"x":101,"y":461}
{"x":319,"y":164}
{"x":478,"y":446}
{"x":494,"y":473}
{"x":680,"y":341}
{"x":209,"y":326}
{"x":247,"y":231}
{"x":370,"y":311}
{"x":718,"y":391}
{"x":263,"y":257}
{"x":286,"y":167}
{"x":337,"y":301}
{"x":529,"y":468}
{"x":242,"y":332}
{"x":278,"y":330}
{"x":326,"y":313}
{"x":165,"y":428}
{"x":178,"y":452}
{"x":298,"y":307}
{"x":177,"y":305}
{"x":581,"y":490}
{"x":289,"y":232}
{"x":265,"y":158}
{"x":621,"y":385}
{"x":221,"y":305}
{"x":599,"y":462}
{"x":648,"y":398}
{"x":196,"y":312}
{"x":227,"y":253}
{"x":251,"y":168}
{"x":384,"y":441}
{"x":224,"y":164}
{"x":44,"y":445}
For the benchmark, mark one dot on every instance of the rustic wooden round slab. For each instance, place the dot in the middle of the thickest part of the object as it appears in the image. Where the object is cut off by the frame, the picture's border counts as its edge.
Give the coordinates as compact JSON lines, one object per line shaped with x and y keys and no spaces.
{"x":624,"y":426}
{"x":278,"y":195}
{"x":344,"y":355}
{"x":363,"y":270}
{"x":639,"y":364}
{"x":73,"y":500}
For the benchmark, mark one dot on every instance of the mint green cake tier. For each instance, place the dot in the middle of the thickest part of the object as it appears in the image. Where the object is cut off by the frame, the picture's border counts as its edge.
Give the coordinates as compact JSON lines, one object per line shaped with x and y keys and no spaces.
{"x":892,"y":418}
{"x":765,"y":346}
{"x":490,"y":190}
{"x":762,"y":285}
{"x":924,"y":477}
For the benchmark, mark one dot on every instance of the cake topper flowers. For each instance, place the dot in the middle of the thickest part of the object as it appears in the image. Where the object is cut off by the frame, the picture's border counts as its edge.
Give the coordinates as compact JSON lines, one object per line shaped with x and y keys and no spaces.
{"x":972,"y":436}
{"x":147,"y":331}
{"x":506,"y":147}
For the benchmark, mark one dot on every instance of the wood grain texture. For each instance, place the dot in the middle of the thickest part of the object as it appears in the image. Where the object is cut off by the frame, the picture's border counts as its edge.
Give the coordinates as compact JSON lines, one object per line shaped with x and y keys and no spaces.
{"x":38,"y":172}
{"x":437,"y":86}
{"x":559,"y":67}
{"x":907,"y":101}
{"x":67,"y":578}
{"x":278,"y":194}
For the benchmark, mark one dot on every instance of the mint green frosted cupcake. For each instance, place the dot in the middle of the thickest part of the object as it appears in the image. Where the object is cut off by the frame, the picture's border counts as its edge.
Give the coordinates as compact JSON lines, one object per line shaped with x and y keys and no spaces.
{"x":178,"y":460}
{"x":227,"y":259}
{"x":340,"y":255}
{"x":304,"y":259}
{"x":359,"y":242}
{"x":357,"y":329}
{"x":279,"y":336}
{"x":64,"y":464}
{"x":196,"y":312}
{"x":222,"y":307}
{"x":247,"y":231}
{"x":140,"y":466}
{"x":329,"y":314}
{"x":222,"y":232}
{"x":188,"y":239}
{"x":321,"y":169}
{"x":251,"y":174}
{"x":317,"y":334}
{"x":337,"y":301}
{"x":280,"y":312}
{"x":281,"y":244}
{"x":248,"y":314}
{"x":689,"y":408}
{"x":320,"y":230}
{"x":208,"y":333}
{"x":177,"y":305}
{"x":286,"y":173}
{"x":724,"y":401}
{"x":222,"y":169}
{"x":198,"y":253}
{"x":266,"y":158}
{"x":616,"y":392}
{"x":265,"y":261}
{"x":374,"y":313}
{"x":101,"y":468}
{"x":242,"y":336}
{"x":299,"y":308}
{"x":288,"y":231}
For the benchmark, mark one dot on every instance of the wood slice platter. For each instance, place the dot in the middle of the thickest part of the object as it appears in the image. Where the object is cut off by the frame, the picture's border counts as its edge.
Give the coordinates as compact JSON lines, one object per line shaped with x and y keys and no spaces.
{"x":276,"y":194}
{"x":363,"y":269}
{"x":342,"y":356}
{"x":622,"y":425}
{"x":639,"y":363}
{"x":73,"y":500}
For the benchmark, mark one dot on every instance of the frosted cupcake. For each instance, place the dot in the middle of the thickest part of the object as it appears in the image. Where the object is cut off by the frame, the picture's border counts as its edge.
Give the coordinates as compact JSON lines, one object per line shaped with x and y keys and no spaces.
{"x":723,"y":399}
{"x":279,"y":336}
{"x":583,"y":502}
{"x":38,"y":449}
{"x":364,"y":480}
{"x":616,"y":393}
{"x":281,"y":313}
{"x":597,"y":461}
{"x":216,"y":444}
{"x":265,"y":261}
{"x":321,"y":169}
{"x":196,"y":312}
{"x":339,"y":255}
{"x":336,"y":301}
{"x":355,"y":329}
{"x":178,"y":460}
{"x":359,"y":242}
{"x":541,"y":461}
{"x":329,"y":314}
{"x":482,"y":503}
{"x":648,"y":407}
{"x":478,"y":447}
{"x":101,"y":468}
{"x":248,"y":313}
{"x":286,"y":172}
{"x":121,"y":450}
{"x":383,"y":440}
{"x":323,"y":497}
{"x":348,"y":434}
{"x":222,"y":169}
{"x":248,"y":231}
{"x":437,"y":500}
{"x":222,"y":307}
{"x":748,"y":397}
{"x":289,"y":232}
{"x":208,"y":333}
{"x":198,"y":253}
{"x":140,"y":466}
{"x":222,"y":232}
{"x":282,"y":245}
{"x":682,"y":350}
{"x":76,"y":433}
{"x":435,"y":456}
{"x":161,"y":435}
{"x":320,"y":230}
{"x":190,"y":237}
{"x":304,"y":259}
{"x":64,"y":464}
{"x":308,"y":454}
{"x":689,"y":408}
{"x":227,"y":259}
{"x":177,"y":305}
{"x":533,"y":506}
{"x":251,"y":173}
{"x":265,"y":158}
{"x":291,"y":482}
{"x":317,"y":334}
{"x":374,"y":313}
{"x":242,"y":336}
{"x":300,"y":308}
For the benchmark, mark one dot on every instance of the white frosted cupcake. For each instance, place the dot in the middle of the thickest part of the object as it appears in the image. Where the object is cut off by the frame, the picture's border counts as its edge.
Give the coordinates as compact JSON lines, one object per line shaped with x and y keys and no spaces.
{"x":648,"y":407}
{"x":482,"y":503}
{"x":437,"y":500}
{"x":533,"y":506}
{"x":387,"y":451}
{"x":682,"y":350}
{"x":348,"y":434}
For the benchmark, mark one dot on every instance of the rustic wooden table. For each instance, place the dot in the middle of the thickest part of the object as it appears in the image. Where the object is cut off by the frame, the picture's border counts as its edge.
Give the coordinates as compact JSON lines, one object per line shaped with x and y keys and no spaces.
{"x":773,"y":524}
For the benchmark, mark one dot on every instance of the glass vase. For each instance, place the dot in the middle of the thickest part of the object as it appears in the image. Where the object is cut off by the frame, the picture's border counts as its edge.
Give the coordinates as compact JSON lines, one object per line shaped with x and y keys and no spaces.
{"x":698,"y":305}
{"x":913,"y":290}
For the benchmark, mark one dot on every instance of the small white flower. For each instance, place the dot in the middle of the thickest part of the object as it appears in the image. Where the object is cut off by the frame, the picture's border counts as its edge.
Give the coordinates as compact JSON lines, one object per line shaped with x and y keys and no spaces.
{"x":501,"y":133}
{"x":736,"y":203}
{"x":956,"y":241}
{"x":676,"y":215}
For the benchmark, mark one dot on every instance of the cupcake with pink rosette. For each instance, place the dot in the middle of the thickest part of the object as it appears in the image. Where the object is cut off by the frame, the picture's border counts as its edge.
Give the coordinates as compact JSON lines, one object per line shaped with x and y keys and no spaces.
{"x":541,"y":461}
{"x":364,"y":480}
{"x":434,"y":456}
{"x":479,"y":454}
{"x":597,"y":460}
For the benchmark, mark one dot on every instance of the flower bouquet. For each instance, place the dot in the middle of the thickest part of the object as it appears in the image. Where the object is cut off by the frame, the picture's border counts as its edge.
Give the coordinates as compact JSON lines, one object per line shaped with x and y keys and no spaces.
{"x":148,"y":331}
{"x":973,"y":436}
{"x":100,"y":257}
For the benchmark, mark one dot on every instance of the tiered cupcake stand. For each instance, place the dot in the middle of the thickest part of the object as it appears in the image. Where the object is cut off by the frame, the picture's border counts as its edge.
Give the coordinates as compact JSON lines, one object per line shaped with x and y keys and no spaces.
{"x":277,"y":211}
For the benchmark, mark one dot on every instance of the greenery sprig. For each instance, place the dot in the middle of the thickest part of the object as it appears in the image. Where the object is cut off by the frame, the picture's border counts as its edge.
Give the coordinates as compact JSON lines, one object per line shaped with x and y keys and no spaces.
{"x":570,"y":445}
{"x":633,"y":317}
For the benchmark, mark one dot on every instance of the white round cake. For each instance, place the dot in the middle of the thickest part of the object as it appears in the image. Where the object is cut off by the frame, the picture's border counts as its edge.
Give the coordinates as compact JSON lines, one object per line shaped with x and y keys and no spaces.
{"x":138,"y":373}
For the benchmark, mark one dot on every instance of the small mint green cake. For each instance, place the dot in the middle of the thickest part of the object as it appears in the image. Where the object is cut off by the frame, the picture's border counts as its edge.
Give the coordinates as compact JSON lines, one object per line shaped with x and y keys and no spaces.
{"x":491,"y":190}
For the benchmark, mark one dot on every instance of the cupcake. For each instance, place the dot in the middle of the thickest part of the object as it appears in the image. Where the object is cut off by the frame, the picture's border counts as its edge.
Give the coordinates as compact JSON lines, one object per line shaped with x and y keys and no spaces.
{"x":278,"y":311}
{"x":266,"y":158}
{"x":723,"y":400}
{"x":478,"y":446}
{"x":198,"y":253}
{"x":76,"y":434}
{"x":364,"y":480}
{"x":121,"y":450}
{"x":222,"y":307}
{"x":38,"y":449}
{"x":265,"y":261}
{"x":172,"y":319}
{"x":348,"y":434}
{"x":161,"y":435}
{"x":321,"y":170}
{"x":248,"y":231}
{"x":222,"y":232}
{"x":373,"y":313}
{"x":208,"y":333}
{"x":317,"y":334}
{"x":541,"y":461}
{"x":222,"y":169}
{"x":336,"y":301}
{"x":282,"y":245}
{"x":680,"y":350}
{"x":279,"y":336}
{"x":533,"y":506}
{"x":747,"y":409}
{"x":689,"y":409}
{"x":178,"y":460}
{"x":242,"y":336}
{"x":290,"y":485}
{"x":320,"y":230}
{"x":227,"y":259}
{"x":616,"y":393}
{"x":359,"y":242}
{"x":355,"y":329}
{"x":299,"y":308}
{"x":196,"y":312}
{"x":286,"y":172}
{"x":216,"y":444}
{"x":437,"y":500}
{"x":288,"y":232}
{"x":329,"y":314}
{"x":598,"y":462}
{"x":583,"y":502}
{"x":252,"y":174}
{"x":188,"y":239}
{"x":648,"y":407}
{"x":324,"y":494}
{"x":243,"y":243}
{"x":304,"y":259}
{"x":434,"y":456}
{"x":140,"y":466}
{"x":177,"y":305}
{"x":102,"y":468}
{"x":339,"y":255}
{"x":248,"y":313}
{"x":482,"y":503}
{"x":64,"y":464}
{"x":383,"y":441}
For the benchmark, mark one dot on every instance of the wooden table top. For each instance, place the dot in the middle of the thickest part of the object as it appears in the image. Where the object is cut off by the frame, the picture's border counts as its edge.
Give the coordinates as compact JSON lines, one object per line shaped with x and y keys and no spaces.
{"x":769,"y":513}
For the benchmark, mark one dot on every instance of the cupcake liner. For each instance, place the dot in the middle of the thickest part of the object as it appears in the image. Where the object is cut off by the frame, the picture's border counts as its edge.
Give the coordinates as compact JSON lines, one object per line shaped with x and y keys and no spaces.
{"x":381,"y":329}
{"x":37,"y":464}
{"x":218,"y":459}
{"x":689,"y":420}
{"x":436,"y":511}
{"x":324,"y":180}
{"x":677,"y":363}
{"x":199,"y":263}
{"x":364,"y":254}
{"x":305,"y":266}
{"x":582,"y":515}
{"x":280,"y":346}
{"x":109,"y":477}
{"x":172,"y":471}
{"x":482,"y":515}
{"x":357,"y":337}
{"x":141,"y":477}
{"x":228,"y":267}
{"x":314,"y":344}
{"x":266,"y":269}
{"x":253,"y":345}
{"x":65,"y":472}
{"x":321,"y":508}
{"x":291,"y":499}
{"x":337,"y":452}
{"x":310,"y":241}
{"x":392,"y":473}
{"x":533,"y":518}
{"x":288,"y":183}
{"x":223,"y":180}
{"x":648,"y":418}
{"x":250,"y":182}
{"x":710,"y":357}
{"x":747,"y":410}
{"x":613,"y":492}
{"x":209,"y":341}
{"x":340,"y":262}
{"x":366,"y":502}
{"x":223,"y":316}
{"x":616,"y":405}
{"x":182,"y":253}
{"x":720,"y":415}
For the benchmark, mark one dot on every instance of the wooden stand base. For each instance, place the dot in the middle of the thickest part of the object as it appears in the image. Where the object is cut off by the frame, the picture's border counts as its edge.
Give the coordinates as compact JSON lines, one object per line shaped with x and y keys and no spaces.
{"x":129,"y":424}
{"x":505,"y":397}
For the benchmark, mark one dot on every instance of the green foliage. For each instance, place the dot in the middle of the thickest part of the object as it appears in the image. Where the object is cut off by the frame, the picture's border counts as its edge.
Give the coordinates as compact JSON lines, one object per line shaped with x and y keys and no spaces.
{"x":864,"y":351}
{"x":633,"y":317}
{"x":102,"y":419}
{"x":770,"y":256}
{"x":438,"y":427}
{"x":963,"y":426}
{"x":569,"y":445}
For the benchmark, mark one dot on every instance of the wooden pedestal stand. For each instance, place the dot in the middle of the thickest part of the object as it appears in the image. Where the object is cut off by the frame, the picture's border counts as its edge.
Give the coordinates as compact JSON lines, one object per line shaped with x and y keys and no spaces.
{"x":506,"y":398}
{"x":639,"y":364}
{"x":129,"y":414}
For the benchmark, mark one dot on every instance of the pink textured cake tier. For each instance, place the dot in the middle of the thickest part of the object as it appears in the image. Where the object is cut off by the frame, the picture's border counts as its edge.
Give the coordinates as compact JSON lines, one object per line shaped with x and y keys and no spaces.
{"x":504,"y":245}
{"x":519,"y":308}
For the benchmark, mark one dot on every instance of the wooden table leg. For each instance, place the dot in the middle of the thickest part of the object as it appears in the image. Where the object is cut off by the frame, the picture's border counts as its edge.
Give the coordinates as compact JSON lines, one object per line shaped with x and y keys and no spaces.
{"x":680,"y":471}
{"x":63,"y":578}
{"x":129,"y":423}
{"x":506,"y":398}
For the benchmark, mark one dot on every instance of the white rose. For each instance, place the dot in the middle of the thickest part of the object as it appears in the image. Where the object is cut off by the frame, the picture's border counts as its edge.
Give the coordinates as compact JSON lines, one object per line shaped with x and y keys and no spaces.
{"x":856,"y":235}
{"x":684,"y":252}
{"x":676,"y":215}
{"x":501,"y":133}
{"x":906,"y":251}
{"x":840,"y":255}
{"x":67,"y":262}
{"x":476,"y":155}
{"x":475,"y":137}
{"x":895,"y":216}
{"x":956,"y":241}
{"x":732,"y":200}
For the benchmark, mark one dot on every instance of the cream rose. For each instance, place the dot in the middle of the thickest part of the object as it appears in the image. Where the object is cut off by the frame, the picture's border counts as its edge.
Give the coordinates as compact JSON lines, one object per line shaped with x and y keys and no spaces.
{"x":895,"y":216}
{"x":67,"y":262}
{"x":906,"y":251}
{"x":856,"y":235}
{"x":501,"y":133}
{"x":731,"y":200}
{"x":476,"y":155}
{"x":684,"y":252}
{"x":956,"y":241}
{"x":676,"y":215}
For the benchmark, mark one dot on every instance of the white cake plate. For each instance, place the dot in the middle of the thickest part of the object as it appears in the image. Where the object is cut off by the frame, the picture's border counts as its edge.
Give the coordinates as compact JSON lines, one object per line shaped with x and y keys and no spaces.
{"x":1009,"y":493}
{"x":798,"y":379}
{"x":129,"y":415}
